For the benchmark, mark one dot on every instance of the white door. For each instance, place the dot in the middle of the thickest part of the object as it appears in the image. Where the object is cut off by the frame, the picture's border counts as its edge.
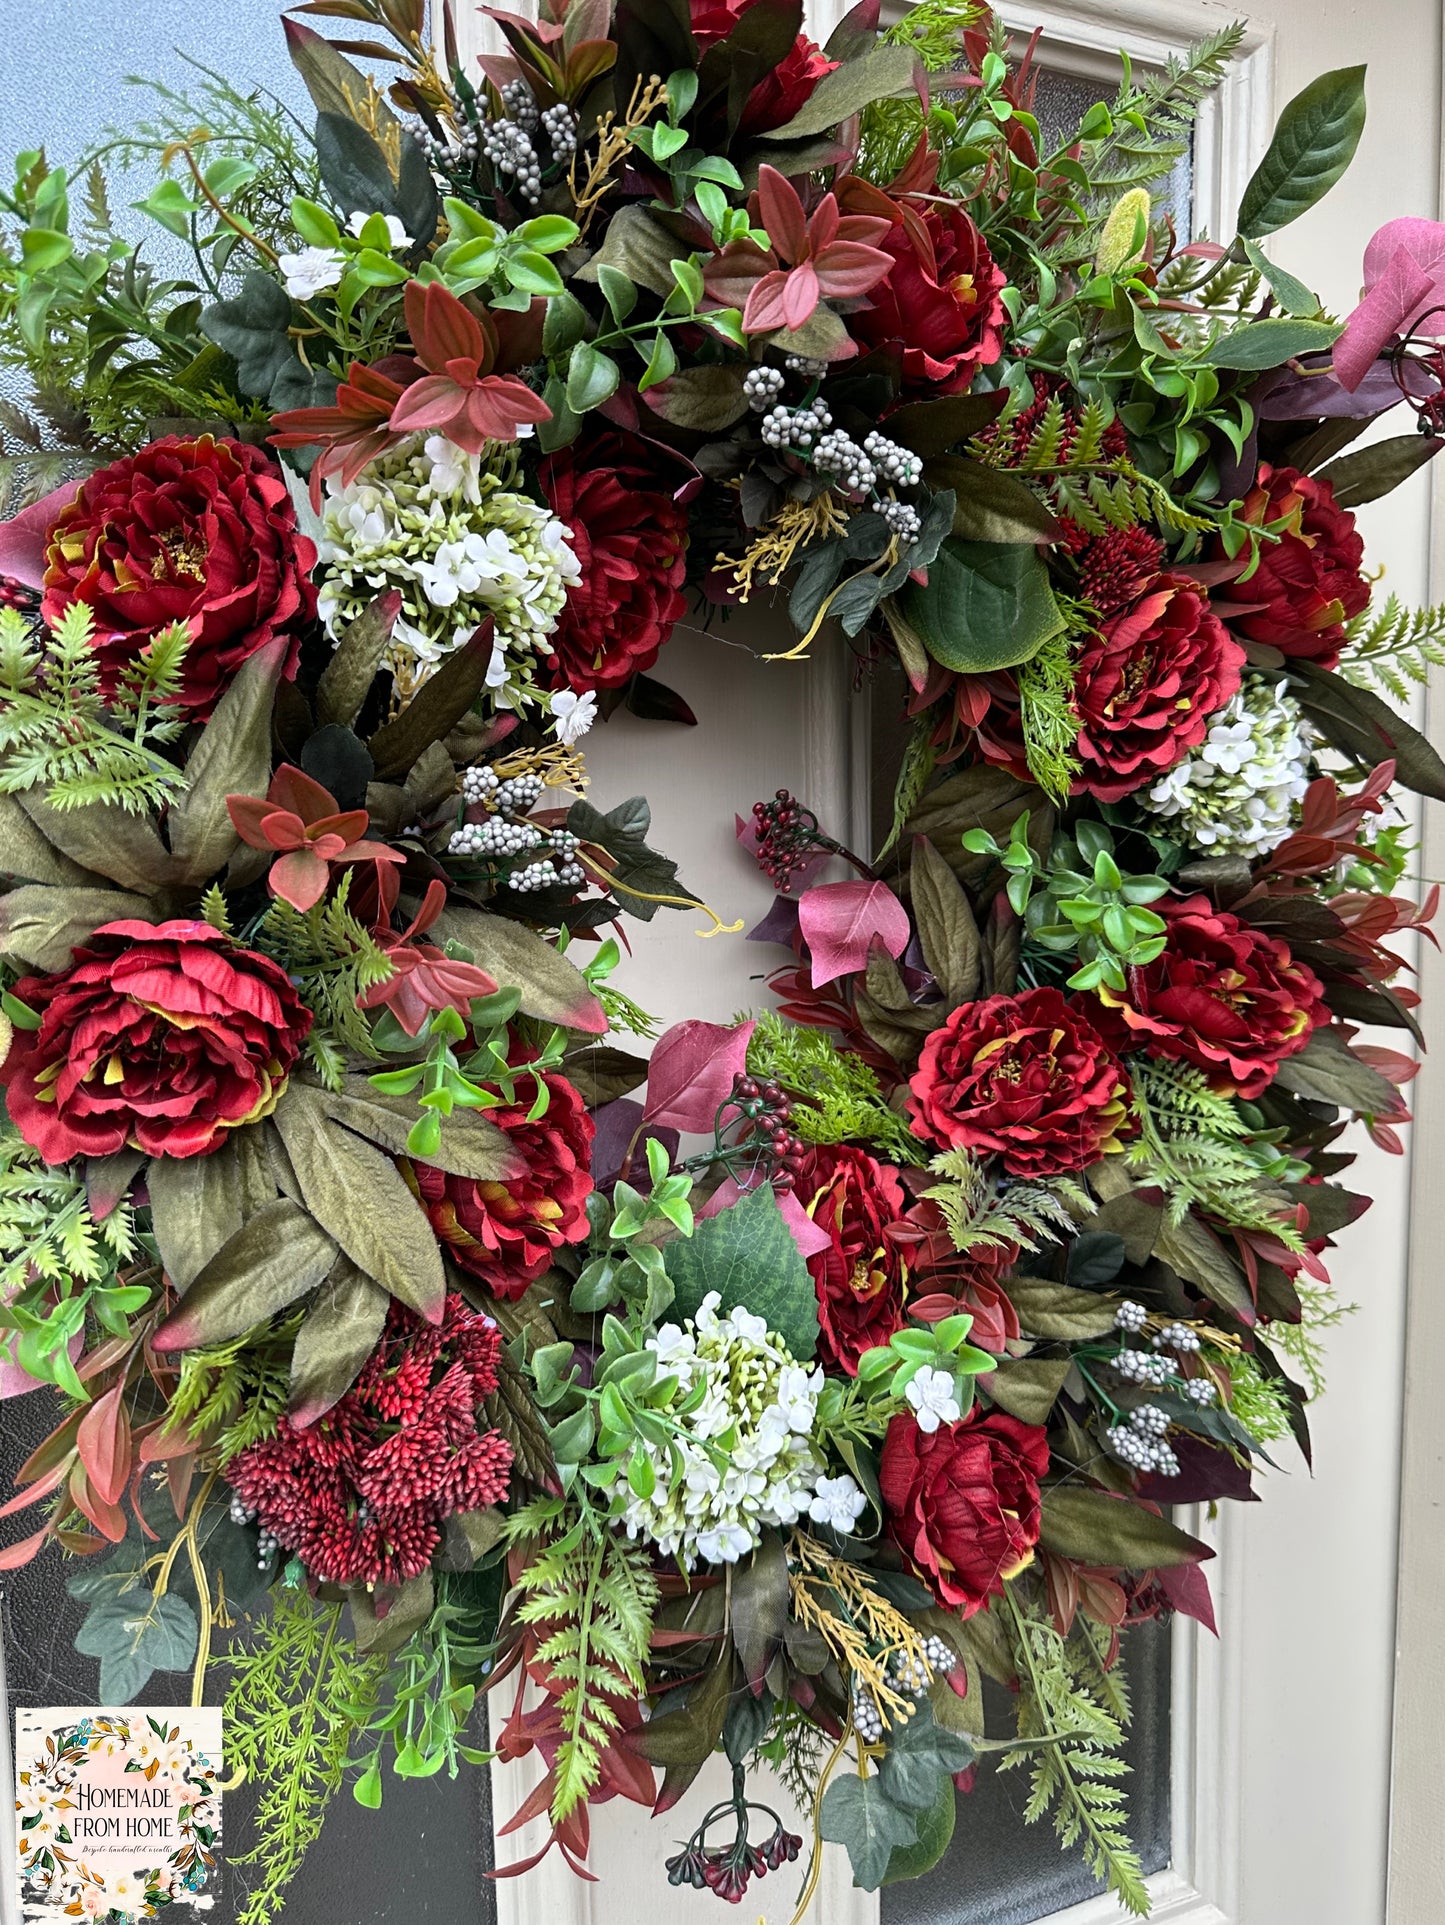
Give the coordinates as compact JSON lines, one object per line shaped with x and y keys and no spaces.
{"x":1279,"y":1741}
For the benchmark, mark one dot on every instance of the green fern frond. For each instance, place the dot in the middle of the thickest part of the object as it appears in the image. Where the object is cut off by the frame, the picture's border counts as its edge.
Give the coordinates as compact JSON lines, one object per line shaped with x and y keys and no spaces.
{"x":1027,"y":1214}
{"x":1195,"y":1145}
{"x":333,"y":961}
{"x":1050,"y":720}
{"x":596,"y":1594}
{"x":1394,"y":648}
{"x":232,"y":1395}
{"x":1071,"y":1715}
{"x":1320,"y":1310}
{"x":57,"y":731}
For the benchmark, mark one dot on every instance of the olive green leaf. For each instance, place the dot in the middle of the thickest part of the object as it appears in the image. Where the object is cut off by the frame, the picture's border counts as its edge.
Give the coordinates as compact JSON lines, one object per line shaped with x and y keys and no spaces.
{"x":1357,"y":721}
{"x":361,"y":1199}
{"x":197,"y":1206}
{"x":946,"y":926}
{"x":25,"y":852}
{"x":1028,"y":1389}
{"x":1192,"y":1249}
{"x":232,"y":756}
{"x":1055,"y":1310}
{"x":348,"y":676}
{"x":41,"y":926}
{"x":1094,"y":1528}
{"x":879,"y":74}
{"x":602,"y":1073}
{"x":341,"y":1330}
{"x":275,"y":1258}
{"x":409,"y":1609}
{"x":471,"y":1146}
{"x":552,"y":989}
{"x":103,"y":838}
{"x":706,"y":398}
{"x":989,"y":503}
{"x":1374,"y":471}
{"x":441,"y":701}
{"x":758,"y":1607}
{"x":1327,"y":1070}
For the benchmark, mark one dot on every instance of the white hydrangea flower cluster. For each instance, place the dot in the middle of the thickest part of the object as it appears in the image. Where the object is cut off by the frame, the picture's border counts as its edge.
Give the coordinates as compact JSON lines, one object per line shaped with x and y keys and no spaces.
{"x":1240,"y":790}
{"x":428,"y":519}
{"x":747,"y":1452}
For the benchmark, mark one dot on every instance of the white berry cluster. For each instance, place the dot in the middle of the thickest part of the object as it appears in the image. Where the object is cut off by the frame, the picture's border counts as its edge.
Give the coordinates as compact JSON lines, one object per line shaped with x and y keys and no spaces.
{"x":503,"y":834}
{"x":1239,"y":792}
{"x":744,"y":1457}
{"x":796,"y":428}
{"x":1141,"y":1443}
{"x":1143,"y":1367}
{"x":496,"y":839}
{"x":1177,"y":1337}
{"x":1131,"y":1316}
{"x":508,"y":146}
{"x":267,"y":1542}
{"x":805,"y":365}
{"x":427,"y":519}
{"x":867,"y":1718}
{"x":761,"y":388}
{"x":839,"y":455}
{"x":903,"y":520}
{"x":559,"y":124}
{"x":894,"y":462}
{"x":914,"y":1675}
{"x":1202,"y":1391}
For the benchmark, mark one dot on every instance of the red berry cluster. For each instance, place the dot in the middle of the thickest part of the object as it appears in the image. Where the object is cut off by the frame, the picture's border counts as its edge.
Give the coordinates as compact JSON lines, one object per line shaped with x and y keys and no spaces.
{"x":787,"y":837}
{"x":769,"y":1115}
{"x":728,"y":1869}
{"x":17,"y":594}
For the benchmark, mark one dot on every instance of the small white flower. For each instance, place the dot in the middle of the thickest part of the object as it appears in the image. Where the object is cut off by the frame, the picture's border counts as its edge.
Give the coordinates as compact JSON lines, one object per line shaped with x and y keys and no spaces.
{"x":931,"y":1394}
{"x":837,"y":1501}
{"x":396,"y":233}
{"x":726,"y":1544}
{"x":312,"y":271}
{"x":573,"y":714}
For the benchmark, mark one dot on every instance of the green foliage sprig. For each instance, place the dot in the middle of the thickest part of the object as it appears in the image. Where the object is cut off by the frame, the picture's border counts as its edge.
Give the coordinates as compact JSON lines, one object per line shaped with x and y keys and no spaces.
{"x":1394,"y":648}
{"x":592,"y":1593}
{"x":57,"y":731}
{"x":980,"y":1216}
{"x":841,"y":1101}
{"x":333,"y":960}
{"x":1071,"y":1714}
{"x":231,"y":1395}
{"x":57,"y":1264}
{"x":425,"y":1715}
{"x":291,"y":1712}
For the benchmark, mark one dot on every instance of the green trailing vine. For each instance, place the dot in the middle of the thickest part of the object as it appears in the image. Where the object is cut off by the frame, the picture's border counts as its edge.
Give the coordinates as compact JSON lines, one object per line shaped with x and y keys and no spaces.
{"x":841,"y":1098}
{"x":1071,"y":1716}
{"x":57,"y":730}
{"x":296,"y":1697}
{"x":593,"y":1594}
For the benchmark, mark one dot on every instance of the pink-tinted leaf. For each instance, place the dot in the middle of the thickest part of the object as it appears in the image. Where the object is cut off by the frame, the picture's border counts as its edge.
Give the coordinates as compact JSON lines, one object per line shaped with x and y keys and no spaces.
{"x":299,"y":878}
{"x":766,"y":307}
{"x":692,"y":1073}
{"x":809,"y":1238}
{"x":42,"y":1487}
{"x":103,"y":1441}
{"x":22,"y":538}
{"x":782,"y":214}
{"x":800,"y":294}
{"x":107,"y":1518}
{"x":15,"y":1382}
{"x":441,"y":327}
{"x":1187,"y":1589}
{"x":14,"y":1555}
{"x":1404,"y":278}
{"x":849,"y":268}
{"x":429,"y":403}
{"x":841,"y":921}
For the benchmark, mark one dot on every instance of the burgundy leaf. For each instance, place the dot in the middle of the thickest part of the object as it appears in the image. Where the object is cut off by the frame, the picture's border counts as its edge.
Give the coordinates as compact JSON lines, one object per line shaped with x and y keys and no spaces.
{"x":841,"y":921}
{"x":692,"y":1073}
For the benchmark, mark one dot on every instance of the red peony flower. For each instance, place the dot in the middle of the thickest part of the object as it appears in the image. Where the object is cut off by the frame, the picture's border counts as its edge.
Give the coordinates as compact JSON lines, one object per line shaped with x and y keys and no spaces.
{"x":505,"y":1233}
{"x":1146,"y":685}
{"x":859,"y":1277}
{"x":160,"y":1035}
{"x":1309,"y":580}
{"x":185,"y":531}
{"x":1223,"y":995}
{"x":1027,"y":1078}
{"x":782,"y":92}
{"x":941,"y":301}
{"x":630,"y":539}
{"x":361,"y":1494}
{"x":963,"y":1502}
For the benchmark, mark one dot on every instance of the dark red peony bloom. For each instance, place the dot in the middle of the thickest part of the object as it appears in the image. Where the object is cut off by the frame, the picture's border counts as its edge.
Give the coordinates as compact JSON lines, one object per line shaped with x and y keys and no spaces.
{"x":782,"y":92}
{"x":1027,"y":1078}
{"x":505,"y":1233}
{"x":859,"y":1277}
{"x":1146,"y":685}
{"x":941,"y":303}
{"x":185,"y":531}
{"x":1223,"y":995}
{"x":963,"y":1502}
{"x":160,"y":1035}
{"x":1309,"y":580}
{"x":945,"y":1281}
{"x":361,"y":1495}
{"x":630,"y":539}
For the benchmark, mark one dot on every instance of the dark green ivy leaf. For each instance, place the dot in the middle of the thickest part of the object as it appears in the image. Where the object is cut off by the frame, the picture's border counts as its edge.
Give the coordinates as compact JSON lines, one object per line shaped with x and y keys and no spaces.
{"x":986,"y":605}
{"x":859,"y":1815}
{"x":747,"y":1253}
{"x":919,"y":1754}
{"x":639,"y":872}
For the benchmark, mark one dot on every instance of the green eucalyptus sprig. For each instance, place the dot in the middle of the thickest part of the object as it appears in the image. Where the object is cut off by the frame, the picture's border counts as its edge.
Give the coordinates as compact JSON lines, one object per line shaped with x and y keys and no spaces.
{"x":488,"y":1079}
{"x":1078,"y":899}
